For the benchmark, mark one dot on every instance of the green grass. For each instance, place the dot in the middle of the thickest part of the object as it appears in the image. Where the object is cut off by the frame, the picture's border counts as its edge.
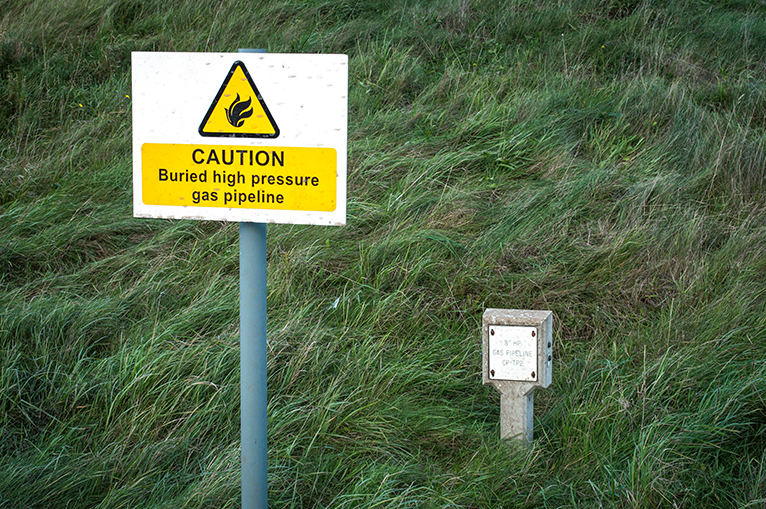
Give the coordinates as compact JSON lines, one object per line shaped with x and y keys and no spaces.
{"x":603,"y":159}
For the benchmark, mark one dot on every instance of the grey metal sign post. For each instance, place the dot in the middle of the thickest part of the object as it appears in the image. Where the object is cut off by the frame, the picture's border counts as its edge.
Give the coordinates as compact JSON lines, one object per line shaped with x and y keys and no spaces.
{"x":252,"y":360}
{"x":252,"y":363}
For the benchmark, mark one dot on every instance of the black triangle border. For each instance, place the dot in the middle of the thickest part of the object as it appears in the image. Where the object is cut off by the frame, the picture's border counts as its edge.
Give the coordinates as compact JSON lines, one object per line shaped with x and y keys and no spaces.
{"x":218,"y":96}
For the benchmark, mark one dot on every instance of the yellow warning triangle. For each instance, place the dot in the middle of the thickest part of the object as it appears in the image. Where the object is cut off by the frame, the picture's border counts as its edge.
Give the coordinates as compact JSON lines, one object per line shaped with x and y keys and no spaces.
{"x":238,"y":111}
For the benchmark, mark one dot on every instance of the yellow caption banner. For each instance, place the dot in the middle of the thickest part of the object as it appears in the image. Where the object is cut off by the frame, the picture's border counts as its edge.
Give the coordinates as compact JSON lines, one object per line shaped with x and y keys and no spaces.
{"x":284,"y":178}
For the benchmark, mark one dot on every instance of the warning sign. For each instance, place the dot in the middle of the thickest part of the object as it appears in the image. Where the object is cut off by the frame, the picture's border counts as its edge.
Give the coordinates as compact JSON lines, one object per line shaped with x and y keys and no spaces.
{"x":238,"y":110}
{"x":256,"y":137}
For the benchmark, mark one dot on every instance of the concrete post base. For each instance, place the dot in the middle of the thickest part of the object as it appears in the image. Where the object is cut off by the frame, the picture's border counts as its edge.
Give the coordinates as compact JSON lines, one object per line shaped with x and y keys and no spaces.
{"x":517,"y":412}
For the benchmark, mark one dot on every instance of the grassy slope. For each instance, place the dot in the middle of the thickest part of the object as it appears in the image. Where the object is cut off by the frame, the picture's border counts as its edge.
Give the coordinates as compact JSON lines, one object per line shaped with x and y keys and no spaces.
{"x":602,"y":159}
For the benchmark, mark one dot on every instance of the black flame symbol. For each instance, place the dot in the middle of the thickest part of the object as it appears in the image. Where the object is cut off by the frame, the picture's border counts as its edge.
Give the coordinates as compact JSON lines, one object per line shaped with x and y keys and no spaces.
{"x":236,"y":113}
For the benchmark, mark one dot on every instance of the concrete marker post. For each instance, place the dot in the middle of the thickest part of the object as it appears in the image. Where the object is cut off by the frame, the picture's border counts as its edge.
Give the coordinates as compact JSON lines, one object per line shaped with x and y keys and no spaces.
{"x":517,"y":356}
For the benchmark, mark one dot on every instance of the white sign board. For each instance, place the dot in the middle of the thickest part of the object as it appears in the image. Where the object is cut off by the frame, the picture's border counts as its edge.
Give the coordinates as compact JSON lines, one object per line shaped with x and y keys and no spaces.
{"x":257,"y":137}
{"x":513,"y":353}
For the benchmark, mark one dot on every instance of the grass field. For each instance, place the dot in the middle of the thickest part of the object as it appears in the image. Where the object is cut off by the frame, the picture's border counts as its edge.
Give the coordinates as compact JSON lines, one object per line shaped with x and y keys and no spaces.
{"x":603,"y":159}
